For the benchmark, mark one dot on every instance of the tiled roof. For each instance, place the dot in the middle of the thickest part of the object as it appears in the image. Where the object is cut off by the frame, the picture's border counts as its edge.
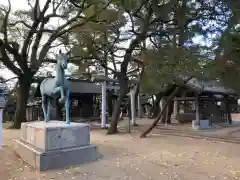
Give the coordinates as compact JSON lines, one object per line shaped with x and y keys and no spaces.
{"x":207,"y":86}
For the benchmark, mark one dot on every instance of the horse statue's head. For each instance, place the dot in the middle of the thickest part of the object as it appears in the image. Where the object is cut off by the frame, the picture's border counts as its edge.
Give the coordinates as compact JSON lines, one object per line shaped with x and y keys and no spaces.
{"x":62,"y":60}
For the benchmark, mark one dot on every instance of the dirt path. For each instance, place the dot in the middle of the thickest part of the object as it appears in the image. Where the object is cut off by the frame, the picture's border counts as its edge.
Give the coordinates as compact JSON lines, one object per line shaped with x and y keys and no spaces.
{"x":128,"y":157}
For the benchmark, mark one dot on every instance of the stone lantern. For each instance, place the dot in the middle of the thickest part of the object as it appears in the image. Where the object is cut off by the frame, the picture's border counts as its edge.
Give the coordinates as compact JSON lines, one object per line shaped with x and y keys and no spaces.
{"x":3,"y":101}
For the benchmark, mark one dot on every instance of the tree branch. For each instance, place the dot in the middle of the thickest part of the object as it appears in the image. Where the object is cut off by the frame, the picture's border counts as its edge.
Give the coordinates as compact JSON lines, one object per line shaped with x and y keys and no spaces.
{"x":10,"y":79}
{"x":78,"y":5}
{"x":145,"y":133}
{"x":33,"y":28}
{"x":55,"y":8}
{"x":61,"y":30}
{"x":33,"y":58}
{"x":20,"y":22}
{"x":6,"y":60}
{"x":36,"y":10}
{"x":136,"y":41}
{"x":5,"y":22}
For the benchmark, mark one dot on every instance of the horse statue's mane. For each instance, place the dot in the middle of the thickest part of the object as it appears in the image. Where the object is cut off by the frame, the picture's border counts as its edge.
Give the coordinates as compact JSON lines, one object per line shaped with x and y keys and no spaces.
{"x":56,"y":88}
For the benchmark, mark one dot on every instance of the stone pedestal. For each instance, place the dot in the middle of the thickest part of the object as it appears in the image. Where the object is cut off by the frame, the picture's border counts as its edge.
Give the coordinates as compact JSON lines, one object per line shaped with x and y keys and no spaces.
{"x":203,"y":124}
{"x":55,"y":144}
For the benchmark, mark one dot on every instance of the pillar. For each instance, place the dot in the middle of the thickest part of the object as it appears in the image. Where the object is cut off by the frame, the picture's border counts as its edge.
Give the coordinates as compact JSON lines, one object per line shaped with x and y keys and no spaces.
{"x":212,"y":112}
{"x":133,"y":108}
{"x":227,"y":110}
{"x":197,"y":122}
{"x":1,"y":128}
{"x":139,"y":106}
{"x":175,"y":109}
{"x":104,"y":105}
{"x":166,"y":116}
{"x":185,"y":106}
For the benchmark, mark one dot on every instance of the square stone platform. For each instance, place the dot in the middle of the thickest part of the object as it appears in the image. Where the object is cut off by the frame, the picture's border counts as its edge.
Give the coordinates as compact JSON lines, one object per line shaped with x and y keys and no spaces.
{"x":55,"y":144}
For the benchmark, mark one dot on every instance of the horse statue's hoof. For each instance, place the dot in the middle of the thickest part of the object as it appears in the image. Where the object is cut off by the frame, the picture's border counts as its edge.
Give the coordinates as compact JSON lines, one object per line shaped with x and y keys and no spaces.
{"x":68,"y":122}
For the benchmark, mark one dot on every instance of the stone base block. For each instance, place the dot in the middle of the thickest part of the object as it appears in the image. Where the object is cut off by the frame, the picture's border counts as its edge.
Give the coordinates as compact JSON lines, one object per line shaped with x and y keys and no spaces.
{"x":204,"y":124}
{"x":55,"y":135}
{"x":56,"y":158}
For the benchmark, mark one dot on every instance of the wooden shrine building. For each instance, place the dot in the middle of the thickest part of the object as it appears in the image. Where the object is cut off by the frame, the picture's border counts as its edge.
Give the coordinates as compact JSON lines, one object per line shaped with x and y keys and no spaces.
{"x":204,"y":102}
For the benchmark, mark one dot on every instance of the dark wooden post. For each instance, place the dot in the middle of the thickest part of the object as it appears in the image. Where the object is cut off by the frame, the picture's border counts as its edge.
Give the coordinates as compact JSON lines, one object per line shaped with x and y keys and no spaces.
{"x":185,"y":106}
{"x":212,"y":112}
{"x":227,"y":110}
{"x":166,"y":117}
{"x":175,"y":109}
{"x":185,"y":102}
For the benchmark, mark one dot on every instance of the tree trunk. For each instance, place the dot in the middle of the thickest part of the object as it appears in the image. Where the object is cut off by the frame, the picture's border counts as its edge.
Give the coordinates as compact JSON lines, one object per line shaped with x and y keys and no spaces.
{"x":169,"y":100}
{"x":137,"y":93}
{"x":170,"y":111}
{"x":129,"y":110}
{"x":153,"y":102}
{"x":22,"y":99}
{"x":163,"y":118}
{"x":123,"y":82}
{"x":116,"y":113}
{"x":110,"y":103}
{"x":157,"y":108}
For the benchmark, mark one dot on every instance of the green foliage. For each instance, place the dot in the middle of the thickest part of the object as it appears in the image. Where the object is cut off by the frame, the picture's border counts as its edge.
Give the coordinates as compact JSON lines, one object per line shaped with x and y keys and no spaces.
{"x":227,"y":66}
{"x":172,"y":49}
{"x":169,"y":37}
{"x":161,"y":67}
{"x":97,"y":38}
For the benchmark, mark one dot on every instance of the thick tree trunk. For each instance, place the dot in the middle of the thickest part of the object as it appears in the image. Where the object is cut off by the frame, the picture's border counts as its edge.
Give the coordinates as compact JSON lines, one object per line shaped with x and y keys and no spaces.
{"x":153,"y":102}
{"x":157,"y":108}
{"x":169,"y":113}
{"x":129,"y":110}
{"x":163,"y":118}
{"x":109,"y":103}
{"x":138,"y":114}
{"x":123,"y":81}
{"x":116,"y":113}
{"x":22,"y":99}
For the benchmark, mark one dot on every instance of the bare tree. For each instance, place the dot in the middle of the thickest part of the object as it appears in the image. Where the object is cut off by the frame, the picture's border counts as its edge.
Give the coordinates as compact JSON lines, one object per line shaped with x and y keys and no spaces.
{"x":27,"y":36}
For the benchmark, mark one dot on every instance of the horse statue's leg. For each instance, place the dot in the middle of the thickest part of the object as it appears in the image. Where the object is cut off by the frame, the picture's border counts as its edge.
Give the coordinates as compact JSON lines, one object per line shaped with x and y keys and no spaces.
{"x":58,"y":110}
{"x":49,"y":109}
{"x":61,"y":90}
{"x":44,"y":99}
{"x":67,"y":104}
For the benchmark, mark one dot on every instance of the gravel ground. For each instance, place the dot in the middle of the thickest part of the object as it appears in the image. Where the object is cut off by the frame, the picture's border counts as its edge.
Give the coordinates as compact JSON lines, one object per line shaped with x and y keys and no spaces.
{"x":125,"y":156}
